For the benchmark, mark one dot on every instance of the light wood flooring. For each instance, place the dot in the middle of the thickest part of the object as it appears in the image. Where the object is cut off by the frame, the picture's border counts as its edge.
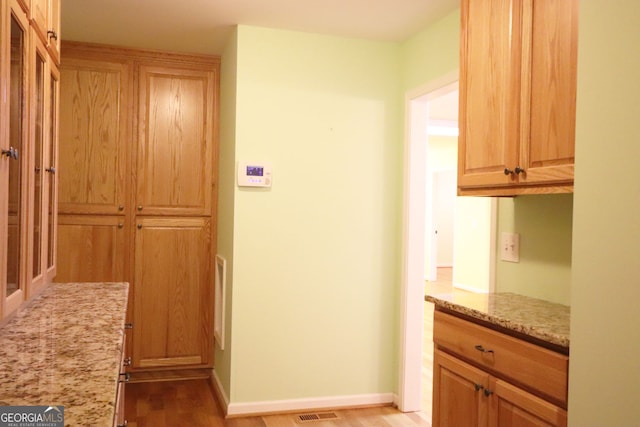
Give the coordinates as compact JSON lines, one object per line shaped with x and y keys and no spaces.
{"x":191,"y":403}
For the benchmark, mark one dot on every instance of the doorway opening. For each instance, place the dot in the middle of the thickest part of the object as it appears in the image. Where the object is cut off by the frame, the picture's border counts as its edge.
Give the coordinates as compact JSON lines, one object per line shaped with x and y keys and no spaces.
{"x":441,"y":230}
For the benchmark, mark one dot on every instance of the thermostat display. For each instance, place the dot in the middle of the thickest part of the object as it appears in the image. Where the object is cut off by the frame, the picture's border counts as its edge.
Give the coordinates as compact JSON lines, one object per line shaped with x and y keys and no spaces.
{"x":255,"y":171}
{"x":254,"y":174}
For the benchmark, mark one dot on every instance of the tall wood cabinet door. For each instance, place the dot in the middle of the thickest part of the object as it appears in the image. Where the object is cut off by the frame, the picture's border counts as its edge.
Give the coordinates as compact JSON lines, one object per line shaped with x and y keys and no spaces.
{"x":51,"y":167}
{"x":514,"y":407}
{"x":175,"y":141}
{"x":94,"y":248}
{"x":14,"y":141}
{"x":458,"y":393}
{"x":94,"y":117}
{"x":172,"y":295}
{"x":549,"y":95}
{"x":38,"y":142}
{"x":490,"y":76}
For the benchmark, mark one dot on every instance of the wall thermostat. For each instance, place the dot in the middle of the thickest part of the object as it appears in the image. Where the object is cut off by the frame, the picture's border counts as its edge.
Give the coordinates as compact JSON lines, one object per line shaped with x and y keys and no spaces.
{"x":254,"y":174}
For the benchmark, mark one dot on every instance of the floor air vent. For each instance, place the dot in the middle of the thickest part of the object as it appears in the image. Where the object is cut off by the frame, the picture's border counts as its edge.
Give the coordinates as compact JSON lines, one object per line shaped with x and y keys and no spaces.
{"x":306,"y":418}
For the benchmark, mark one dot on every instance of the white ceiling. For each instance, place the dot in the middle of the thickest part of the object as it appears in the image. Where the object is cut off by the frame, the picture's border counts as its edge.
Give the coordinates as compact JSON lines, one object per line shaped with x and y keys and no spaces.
{"x":202,"y":26}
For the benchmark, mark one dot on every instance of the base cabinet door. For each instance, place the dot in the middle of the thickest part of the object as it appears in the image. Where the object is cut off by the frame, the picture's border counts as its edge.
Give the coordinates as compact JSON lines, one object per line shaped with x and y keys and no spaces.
{"x":512,"y":406}
{"x":172,"y":294}
{"x":458,"y":398}
{"x":484,"y":377}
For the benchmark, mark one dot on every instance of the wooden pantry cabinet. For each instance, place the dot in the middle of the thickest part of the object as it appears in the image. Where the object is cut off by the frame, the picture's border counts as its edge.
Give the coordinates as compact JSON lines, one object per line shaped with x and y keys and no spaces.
{"x":28,"y":163}
{"x":138,"y":192}
{"x":517,"y":97}
{"x":486,"y":378}
{"x":95,"y":167}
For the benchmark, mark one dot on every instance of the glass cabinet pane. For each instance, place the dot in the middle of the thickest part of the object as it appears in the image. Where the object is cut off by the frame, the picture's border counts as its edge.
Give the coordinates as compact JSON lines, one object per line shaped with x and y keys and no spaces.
{"x":53,"y":119}
{"x":38,"y":166}
{"x":16,"y":138}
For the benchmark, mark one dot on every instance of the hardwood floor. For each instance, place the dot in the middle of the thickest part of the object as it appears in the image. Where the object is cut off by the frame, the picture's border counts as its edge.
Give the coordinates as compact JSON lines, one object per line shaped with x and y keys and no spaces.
{"x":191,"y":403}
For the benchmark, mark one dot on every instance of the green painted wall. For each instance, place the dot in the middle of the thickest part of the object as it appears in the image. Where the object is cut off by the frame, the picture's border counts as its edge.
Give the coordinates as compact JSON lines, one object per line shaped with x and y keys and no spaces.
{"x":432,"y":53}
{"x":226,"y":197}
{"x":544,"y":223}
{"x":316,"y":257}
{"x":314,"y":284}
{"x":605,"y":337}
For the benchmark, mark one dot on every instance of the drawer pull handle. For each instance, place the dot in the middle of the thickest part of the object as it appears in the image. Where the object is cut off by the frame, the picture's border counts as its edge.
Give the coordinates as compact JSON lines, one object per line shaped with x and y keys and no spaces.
{"x":482,"y":349}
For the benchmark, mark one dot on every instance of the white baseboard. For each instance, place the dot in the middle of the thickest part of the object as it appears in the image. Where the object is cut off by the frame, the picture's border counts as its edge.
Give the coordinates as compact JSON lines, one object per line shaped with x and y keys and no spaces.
{"x":314,"y":403}
{"x":223,"y":399}
{"x":470,"y":288}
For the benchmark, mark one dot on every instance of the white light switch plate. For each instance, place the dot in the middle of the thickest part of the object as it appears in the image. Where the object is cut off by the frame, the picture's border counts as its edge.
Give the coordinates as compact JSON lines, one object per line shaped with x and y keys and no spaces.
{"x":510,"y":247}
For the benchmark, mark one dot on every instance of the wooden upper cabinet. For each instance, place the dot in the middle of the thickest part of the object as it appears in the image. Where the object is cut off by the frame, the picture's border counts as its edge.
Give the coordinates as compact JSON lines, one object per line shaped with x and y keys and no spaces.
{"x":93,"y":136}
{"x":175,"y":141}
{"x":45,"y":19}
{"x":53,"y":33}
{"x":40,"y":17}
{"x":489,"y":91}
{"x":548,"y":128}
{"x":517,"y":96}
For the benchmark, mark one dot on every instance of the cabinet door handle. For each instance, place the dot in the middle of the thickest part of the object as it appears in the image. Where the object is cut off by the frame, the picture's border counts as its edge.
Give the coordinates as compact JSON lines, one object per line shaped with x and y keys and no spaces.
{"x":126,"y":423}
{"x":128,"y":325}
{"x":12,"y":153}
{"x":487,"y":392}
{"x":139,"y":207}
{"x":508,"y":171}
{"x":127,"y":377}
{"x":52,"y":35}
{"x":139,"y":226}
{"x":482,"y":349}
{"x":121,"y":208}
{"x":127,"y":361}
{"x":478,"y":387}
{"x":519,"y":170}
{"x":120,"y":225}
{"x":51,"y":170}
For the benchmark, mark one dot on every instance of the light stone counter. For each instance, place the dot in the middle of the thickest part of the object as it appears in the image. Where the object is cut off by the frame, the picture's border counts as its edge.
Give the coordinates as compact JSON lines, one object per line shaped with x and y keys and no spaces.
{"x":541,"y":320}
{"x":64,"y":348}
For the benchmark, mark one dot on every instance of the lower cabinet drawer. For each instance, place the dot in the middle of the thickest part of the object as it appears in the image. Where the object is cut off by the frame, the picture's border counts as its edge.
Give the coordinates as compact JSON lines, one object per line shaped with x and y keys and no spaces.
{"x":528,"y":365}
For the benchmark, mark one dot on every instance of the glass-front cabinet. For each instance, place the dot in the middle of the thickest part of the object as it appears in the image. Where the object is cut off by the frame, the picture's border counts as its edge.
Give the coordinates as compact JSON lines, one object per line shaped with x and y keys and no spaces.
{"x":15,"y":133}
{"x":28,"y":140}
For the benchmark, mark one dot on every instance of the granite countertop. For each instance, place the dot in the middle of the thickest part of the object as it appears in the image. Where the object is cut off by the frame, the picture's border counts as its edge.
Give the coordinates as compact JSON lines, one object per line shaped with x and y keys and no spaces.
{"x":64,"y":349}
{"x":539,"y":319}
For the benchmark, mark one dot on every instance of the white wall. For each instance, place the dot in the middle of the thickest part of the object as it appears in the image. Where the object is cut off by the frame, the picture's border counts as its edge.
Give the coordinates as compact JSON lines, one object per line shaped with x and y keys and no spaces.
{"x":444,"y":214}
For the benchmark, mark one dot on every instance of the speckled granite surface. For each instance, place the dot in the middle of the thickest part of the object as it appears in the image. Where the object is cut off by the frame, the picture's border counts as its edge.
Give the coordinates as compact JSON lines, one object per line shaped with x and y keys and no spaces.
{"x":64,"y":349}
{"x":537,"y":318}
